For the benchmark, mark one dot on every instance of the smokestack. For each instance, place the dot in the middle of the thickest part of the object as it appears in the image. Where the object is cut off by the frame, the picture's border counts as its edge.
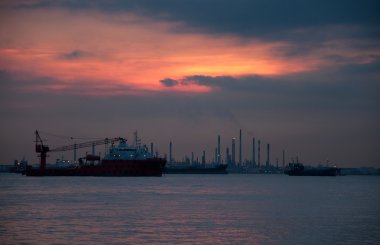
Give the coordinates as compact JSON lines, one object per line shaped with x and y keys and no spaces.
{"x":233,"y":151}
{"x":258,"y":153}
{"x":253,"y":153}
{"x":283,"y":159}
{"x":192,"y":157}
{"x":151,"y":149}
{"x":218,"y":159}
{"x":204,"y":157}
{"x":240,"y":148}
{"x":268,"y":149}
{"x":216,"y":155}
{"x":170,"y":152}
{"x":228,"y":155}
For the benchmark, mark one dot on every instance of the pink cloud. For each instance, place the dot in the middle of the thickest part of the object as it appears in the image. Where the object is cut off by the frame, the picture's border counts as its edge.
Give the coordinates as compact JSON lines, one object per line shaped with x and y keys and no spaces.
{"x":128,"y":51}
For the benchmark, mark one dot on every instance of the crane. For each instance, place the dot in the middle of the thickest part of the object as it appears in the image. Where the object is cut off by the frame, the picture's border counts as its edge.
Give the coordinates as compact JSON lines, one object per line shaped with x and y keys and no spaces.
{"x":44,"y":149}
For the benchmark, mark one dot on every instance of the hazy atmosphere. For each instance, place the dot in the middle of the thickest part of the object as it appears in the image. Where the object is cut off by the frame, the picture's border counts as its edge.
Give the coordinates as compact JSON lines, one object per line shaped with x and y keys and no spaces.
{"x":303,"y":76}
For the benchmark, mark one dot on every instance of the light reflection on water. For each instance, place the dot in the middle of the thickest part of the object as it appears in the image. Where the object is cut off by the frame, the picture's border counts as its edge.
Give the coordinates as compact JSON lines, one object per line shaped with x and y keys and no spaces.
{"x":190,"y":209}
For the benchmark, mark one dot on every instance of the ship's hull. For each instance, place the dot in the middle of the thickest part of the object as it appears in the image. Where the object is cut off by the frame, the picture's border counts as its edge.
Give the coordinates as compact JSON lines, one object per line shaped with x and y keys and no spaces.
{"x":148,"y":167}
{"x":314,"y":172}
{"x":298,"y":169}
{"x":221,"y":169}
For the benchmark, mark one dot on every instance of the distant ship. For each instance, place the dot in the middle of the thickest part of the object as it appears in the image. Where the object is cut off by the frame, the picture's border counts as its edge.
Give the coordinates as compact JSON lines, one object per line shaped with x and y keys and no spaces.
{"x":298,"y":169}
{"x":198,"y":169}
{"x":121,"y":160}
{"x":19,"y":166}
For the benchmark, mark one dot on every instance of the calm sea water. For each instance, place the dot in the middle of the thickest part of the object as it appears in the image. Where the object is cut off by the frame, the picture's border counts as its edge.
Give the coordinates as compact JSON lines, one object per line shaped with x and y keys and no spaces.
{"x":190,"y":209}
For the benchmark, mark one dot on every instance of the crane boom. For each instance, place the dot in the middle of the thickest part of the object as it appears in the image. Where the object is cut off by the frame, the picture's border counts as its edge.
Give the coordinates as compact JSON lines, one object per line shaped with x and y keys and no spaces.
{"x":86,"y":144}
{"x":40,"y":147}
{"x":44,"y":149}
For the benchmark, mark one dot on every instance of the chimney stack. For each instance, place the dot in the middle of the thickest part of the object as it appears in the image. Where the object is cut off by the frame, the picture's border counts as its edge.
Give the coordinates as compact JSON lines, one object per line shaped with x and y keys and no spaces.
{"x":268,"y":153}
{"x":253,"y":153}
{"x":218,"y":157}
{"x":170,"y":152}
{"x":240,"y":162}
{"x":258,"y":154}
{"x":233,"y":151}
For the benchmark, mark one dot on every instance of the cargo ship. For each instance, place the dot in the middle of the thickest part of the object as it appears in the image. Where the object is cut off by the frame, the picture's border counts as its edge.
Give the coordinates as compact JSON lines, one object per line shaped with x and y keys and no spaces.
{"x":178,"y":169}
{"x":121,"y":160}
{"x":298,"y":169}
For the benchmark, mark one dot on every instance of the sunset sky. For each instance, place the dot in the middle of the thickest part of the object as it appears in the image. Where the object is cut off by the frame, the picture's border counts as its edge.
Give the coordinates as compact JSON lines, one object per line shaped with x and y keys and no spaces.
{"x":303,"y":76}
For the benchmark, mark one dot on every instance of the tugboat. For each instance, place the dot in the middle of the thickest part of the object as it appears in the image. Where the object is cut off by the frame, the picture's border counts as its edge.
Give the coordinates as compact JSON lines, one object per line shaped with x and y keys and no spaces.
{"x":121,"y":160}
{"x":298,"y":169}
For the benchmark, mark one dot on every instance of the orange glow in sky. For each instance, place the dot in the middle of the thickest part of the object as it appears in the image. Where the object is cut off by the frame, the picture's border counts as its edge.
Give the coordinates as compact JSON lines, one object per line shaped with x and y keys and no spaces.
{"x":90,"y":49}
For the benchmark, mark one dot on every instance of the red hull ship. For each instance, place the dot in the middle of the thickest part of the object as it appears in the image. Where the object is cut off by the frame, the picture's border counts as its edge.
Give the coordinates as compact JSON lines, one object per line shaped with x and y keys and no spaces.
{"x":121,"y":160}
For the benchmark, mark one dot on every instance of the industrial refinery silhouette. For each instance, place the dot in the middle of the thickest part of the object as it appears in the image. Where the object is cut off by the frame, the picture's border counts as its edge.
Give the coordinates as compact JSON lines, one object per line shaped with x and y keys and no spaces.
{"x":234,"y":162}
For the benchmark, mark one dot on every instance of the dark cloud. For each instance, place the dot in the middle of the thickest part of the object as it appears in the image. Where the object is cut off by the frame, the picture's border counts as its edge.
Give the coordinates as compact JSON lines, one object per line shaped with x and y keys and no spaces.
{"x":168,"y":82}
{"x":270,"y":18}
{"x":74,"y":55}
{"x":349,"y":88}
